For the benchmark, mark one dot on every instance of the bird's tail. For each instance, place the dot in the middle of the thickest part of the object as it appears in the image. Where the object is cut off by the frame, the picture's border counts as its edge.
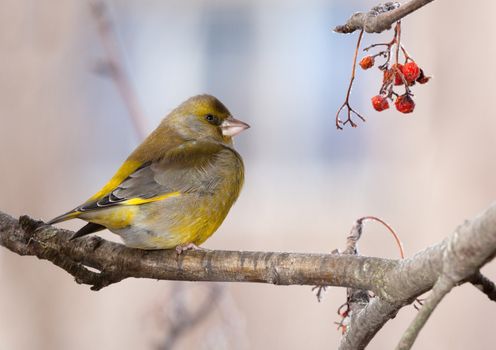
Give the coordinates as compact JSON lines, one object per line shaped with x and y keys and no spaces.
{"x":67,"y":216}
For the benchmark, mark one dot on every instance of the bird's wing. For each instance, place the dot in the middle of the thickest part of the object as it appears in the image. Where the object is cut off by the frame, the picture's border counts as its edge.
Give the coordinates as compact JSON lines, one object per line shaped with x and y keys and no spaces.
{"x":194,"y":166}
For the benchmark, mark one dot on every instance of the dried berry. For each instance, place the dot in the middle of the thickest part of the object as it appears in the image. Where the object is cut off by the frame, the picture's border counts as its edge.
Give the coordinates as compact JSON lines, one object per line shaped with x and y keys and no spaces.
{"x":380,"y":103}
{"x":411,"y":71}
{"x":397,"y":70}
{"x":405,"y":104}
{"x":422,"y":79}
{"x":367,"y":62}
{"x":388,"y":76}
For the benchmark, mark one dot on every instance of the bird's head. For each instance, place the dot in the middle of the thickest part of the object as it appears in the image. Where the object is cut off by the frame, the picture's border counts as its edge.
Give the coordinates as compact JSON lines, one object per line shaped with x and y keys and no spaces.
{"x":204,"y":116}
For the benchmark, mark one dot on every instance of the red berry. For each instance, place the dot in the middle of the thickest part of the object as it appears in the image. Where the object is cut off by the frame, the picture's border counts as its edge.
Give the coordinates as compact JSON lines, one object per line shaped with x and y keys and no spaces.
{"x":380,"y":103}
{"x":397,"y":70}
{"x":367,"y":62}
{"x":411,"y":71}
{"x":405,"y":104}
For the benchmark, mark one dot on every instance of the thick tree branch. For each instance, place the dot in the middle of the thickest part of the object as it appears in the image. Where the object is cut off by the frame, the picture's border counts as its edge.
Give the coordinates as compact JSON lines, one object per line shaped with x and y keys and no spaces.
{"x":368,"y":322}
{"x":394,"y":283}
{"x":460,"y":256}
{"x":381,"y":17}
{"x":471,"y":246}
{"x":116,"y":262}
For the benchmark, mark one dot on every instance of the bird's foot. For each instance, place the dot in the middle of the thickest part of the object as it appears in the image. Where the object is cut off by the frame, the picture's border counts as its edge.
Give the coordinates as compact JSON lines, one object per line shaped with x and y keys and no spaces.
{"x":190,"y":246}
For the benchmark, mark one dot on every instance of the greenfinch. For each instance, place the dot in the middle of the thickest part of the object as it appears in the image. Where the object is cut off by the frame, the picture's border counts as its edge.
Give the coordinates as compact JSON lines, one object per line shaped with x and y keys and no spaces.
{"x":176,"y":188}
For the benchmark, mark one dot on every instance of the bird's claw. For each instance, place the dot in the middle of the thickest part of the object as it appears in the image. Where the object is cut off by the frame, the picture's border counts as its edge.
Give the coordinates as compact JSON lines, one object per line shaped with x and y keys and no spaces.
{"x":190,"y":246}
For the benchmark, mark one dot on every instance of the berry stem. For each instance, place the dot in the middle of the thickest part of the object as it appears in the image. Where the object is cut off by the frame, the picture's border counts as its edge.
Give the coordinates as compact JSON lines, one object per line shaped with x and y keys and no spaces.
{"x":346,"y":102}
{"x":397,"y":32}
{"x":405,"y":53}
{"x":390,"y":229}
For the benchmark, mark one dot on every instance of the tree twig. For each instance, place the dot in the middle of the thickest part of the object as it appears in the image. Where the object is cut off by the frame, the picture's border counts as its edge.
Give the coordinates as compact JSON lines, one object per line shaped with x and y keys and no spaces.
{"x":380,"y":18}
{"x":115,"y":66}
{"x":477,"y":235}
{"x":349,"y":110}
{"x":442,"y":287}
{"x":185,"y":319}
{"x":484,"y":284}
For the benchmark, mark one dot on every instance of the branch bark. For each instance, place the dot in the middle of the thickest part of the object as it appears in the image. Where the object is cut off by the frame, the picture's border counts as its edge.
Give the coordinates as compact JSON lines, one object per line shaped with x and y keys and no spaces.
{"x":380,"y":18}
{"x":117,"y":262}
{"x":471,"y":246}
{"x":395,"y":283}
{"x":442,"y":287}
{"x":484,"y":284}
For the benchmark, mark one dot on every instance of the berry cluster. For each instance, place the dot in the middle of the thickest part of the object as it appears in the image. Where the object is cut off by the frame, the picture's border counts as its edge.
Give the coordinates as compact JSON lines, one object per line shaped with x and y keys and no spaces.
{"x":397,"y":74}
{"x":394,"y":75}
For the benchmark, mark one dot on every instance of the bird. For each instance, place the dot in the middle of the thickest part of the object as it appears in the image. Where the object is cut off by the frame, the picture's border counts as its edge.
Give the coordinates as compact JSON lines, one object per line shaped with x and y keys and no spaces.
{"x":176,"y":188}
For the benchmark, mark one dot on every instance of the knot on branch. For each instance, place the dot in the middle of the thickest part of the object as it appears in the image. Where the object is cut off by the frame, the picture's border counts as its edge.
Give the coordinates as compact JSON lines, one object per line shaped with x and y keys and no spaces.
{"x":370,"y":22}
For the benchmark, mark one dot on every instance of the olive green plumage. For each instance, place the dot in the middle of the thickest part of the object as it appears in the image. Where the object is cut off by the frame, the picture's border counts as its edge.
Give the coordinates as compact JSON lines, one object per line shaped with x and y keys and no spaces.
{"x":177,"y":187}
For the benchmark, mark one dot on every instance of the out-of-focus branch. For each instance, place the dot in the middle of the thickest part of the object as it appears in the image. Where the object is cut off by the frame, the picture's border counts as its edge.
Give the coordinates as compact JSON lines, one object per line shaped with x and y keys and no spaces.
{"x":114,"y":66}
{"x":185,"y":319}
{"x":381,"y":17}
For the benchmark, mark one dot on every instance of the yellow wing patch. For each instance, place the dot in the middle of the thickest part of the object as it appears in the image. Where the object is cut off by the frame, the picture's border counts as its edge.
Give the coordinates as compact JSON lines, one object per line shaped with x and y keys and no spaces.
{"x":138,"y":201}
{"x":123,"y":214}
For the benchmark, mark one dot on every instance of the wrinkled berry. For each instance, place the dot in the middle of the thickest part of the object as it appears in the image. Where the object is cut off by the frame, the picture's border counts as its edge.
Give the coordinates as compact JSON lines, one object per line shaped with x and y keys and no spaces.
{"x":367,"y":62}
{"x":405,"y":103}
{"x":380,"y":103}
{"x":411,"y":71}
{"x":422,"y":79}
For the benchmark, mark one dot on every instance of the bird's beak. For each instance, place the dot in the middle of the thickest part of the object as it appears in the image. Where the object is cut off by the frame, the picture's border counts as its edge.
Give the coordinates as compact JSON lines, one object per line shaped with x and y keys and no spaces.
{"x":232,"y":127}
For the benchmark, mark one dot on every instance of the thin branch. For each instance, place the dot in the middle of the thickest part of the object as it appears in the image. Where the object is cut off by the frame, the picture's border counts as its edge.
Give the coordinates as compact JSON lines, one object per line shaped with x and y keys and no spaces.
{"x":115,"y":66}
{"x":381,"y":17}
{"x":442,"y":287}
{"x":185,"y":320}
{"x":349,"y":110}
{"x":391,"y":230}
{"x":477,"y":235}
{"x":484,"y":284}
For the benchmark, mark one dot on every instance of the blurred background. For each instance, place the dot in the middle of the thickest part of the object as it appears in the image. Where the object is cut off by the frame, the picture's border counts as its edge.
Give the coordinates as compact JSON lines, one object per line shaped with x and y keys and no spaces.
{"x":65,"y":128}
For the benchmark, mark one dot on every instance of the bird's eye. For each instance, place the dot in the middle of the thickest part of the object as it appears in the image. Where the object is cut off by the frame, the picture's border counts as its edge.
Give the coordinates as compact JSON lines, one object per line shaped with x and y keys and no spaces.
{"x":212,"y":119}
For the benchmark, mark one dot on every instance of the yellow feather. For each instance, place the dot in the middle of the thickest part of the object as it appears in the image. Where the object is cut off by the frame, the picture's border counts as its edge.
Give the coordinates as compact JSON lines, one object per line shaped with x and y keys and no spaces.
{"x":124,"y":171}
{"x":137,"y":201}
{"x":114,"y":218}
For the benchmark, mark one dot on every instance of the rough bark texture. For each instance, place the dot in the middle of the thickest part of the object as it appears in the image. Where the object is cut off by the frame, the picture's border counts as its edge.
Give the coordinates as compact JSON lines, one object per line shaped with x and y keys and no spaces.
{"x":117,"y":262}
{"x":395,"y":283}
{"x":380,"y":18}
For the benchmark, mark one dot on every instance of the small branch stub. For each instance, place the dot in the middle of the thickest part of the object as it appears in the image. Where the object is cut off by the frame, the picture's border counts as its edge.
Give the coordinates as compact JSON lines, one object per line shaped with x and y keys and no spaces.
{"x":380,"y":18}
